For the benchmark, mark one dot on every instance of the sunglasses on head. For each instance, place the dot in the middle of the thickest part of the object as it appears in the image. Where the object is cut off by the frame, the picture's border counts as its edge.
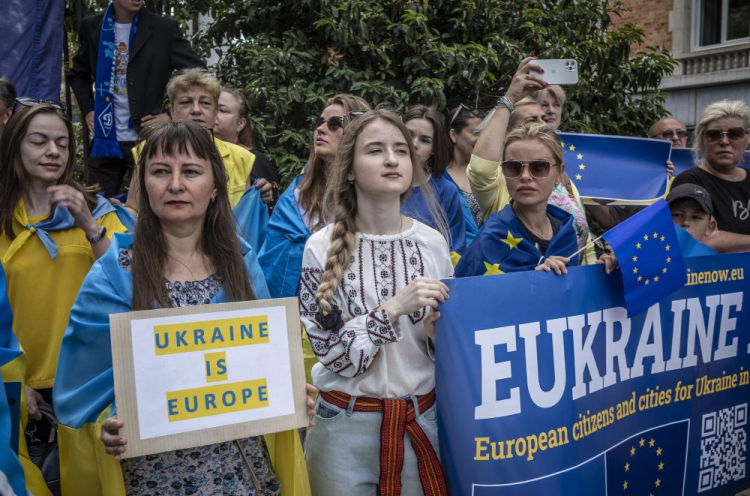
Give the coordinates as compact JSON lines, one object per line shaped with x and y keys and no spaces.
{"x":473,"y":111}
{"x":26,"y":101}
{"x":667,"y":135}
{"x":336,"y":122}
{"x":537,"y":168}
{"x":714,"y":135}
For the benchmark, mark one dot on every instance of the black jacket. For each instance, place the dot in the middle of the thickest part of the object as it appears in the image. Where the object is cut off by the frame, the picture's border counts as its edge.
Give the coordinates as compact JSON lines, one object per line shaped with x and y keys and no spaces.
{"x":158,"y":49}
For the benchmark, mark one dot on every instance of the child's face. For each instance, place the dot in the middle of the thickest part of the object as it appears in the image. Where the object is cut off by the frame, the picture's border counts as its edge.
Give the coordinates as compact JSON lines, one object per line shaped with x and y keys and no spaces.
{"x":689,"y":215}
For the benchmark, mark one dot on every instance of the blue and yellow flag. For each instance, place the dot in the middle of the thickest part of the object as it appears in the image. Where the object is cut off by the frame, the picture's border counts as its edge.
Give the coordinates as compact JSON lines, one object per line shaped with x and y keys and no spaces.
{"x":503,"y":245}
{"x":616,"y":167}
{"x":648,"y":250}
{"x":251,"y":218}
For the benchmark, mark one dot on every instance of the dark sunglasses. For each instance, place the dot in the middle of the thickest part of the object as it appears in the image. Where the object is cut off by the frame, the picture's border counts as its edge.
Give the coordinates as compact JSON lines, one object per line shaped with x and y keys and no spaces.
{"x":473,"y":111}
{"x":537,"y":168}
{"x":26,"y":101}
{"x":714,"y":135}
{"x":667,"y":135}
{"x":336,"y":122}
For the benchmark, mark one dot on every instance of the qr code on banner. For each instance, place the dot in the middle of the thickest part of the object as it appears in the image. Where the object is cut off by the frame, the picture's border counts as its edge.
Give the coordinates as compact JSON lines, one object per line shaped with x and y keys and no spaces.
{"x":723,"y":447}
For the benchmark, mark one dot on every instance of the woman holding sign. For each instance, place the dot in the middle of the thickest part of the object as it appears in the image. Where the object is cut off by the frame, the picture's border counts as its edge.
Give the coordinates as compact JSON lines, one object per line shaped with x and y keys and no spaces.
{"x":529,"y":233}
{"x":182,"y":253}
{"x":367,"y":282}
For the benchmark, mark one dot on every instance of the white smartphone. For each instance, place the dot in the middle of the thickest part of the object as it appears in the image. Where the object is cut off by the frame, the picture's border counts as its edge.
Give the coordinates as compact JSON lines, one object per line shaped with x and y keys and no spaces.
{"x":557,"y":71}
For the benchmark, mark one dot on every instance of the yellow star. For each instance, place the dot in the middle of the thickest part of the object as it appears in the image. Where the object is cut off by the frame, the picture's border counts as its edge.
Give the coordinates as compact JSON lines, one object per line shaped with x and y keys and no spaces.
{"x":582,"y":167}
{"x":635,"y":259}
{"x":667,"y":247}
{"x":627,"y":467}
{"x":562,"y":144}
{"x":106,"y":98}
{"x":661,"y":465}
{"x":492,"y":269}
{"x":651,"y":443}
{"x":572,"y":148}
{"x":662,"y":238}
{"x":664,"y":270}
{"x":625,"y":485}
{"x":669,"y":259}
{"x":638,"y":245}
{"x":639,"y":278}
{"x":656,"y":278}
{"x":645,"y":237}
{"x":658,"y":452}
{"x":641,"y":442}
{"x":578,"y":177}
{"x":580,"y":156}
{"x":511,"y":241}
{"x":635,"y":270}
{"x":658,"y":482}
{"x":655,"y":235}
{"x":632,"y":451}
{"x":647,"y":281}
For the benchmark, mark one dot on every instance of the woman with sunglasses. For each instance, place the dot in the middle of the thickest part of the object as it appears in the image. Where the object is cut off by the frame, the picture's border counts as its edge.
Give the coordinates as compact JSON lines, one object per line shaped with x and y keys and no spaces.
{"x":299,"y":211}
{"x":529,"y":233}
{"x":52,"y":230}
{"x":721,"y":137}
{"x":462,"y":136}
{"x":425,"y":126}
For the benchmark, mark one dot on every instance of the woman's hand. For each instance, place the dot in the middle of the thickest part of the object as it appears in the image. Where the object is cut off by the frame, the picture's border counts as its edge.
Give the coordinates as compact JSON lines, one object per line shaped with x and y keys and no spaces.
{"x":610,"y":262}
{"x":429,"y":324}
{"x":311,"y":392}
{"x":114,"y":444}
{"x":556,"y":263}
{"x":64,"y":196}
{"x":421,"y":292}
{"x":32,"y":403}
{"x":523,"y":83}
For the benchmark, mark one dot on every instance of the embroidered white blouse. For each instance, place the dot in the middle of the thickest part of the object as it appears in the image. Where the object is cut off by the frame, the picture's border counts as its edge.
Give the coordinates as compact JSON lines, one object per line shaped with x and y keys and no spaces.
{"x":364,"y":353}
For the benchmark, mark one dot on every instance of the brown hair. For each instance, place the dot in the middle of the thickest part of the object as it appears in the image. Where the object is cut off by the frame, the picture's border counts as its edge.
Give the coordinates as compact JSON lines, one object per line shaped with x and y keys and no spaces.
{"x":13,"y":181}
{"x":313,"y":185}
{"x":218,"y":241}
{"x":341,"y":201}
{"x":193,"y":77}
{"x":439,"y":159}
{"x":245,"y":136}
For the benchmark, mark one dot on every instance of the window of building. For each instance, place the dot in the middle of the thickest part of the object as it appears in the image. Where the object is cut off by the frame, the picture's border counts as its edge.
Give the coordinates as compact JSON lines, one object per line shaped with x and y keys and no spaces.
{"x":719,"y":22}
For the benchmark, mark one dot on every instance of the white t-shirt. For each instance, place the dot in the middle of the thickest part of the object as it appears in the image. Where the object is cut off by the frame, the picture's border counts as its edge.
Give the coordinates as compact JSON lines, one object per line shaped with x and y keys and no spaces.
{"x":368,"y":355}
{"x":120,"y":87}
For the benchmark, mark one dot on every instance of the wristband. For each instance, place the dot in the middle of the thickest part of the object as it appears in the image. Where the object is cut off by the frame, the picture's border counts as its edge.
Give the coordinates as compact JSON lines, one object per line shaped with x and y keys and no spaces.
{"x":504,"y":102}
{"x":98,"y":237}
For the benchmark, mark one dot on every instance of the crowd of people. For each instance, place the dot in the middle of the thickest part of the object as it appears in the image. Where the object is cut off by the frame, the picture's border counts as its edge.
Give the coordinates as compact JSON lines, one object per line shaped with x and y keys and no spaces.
{"x":385,"y":207}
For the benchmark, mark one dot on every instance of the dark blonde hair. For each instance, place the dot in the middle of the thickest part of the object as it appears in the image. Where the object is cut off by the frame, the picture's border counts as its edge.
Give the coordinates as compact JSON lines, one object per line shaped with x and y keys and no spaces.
{"x":193,"y":77}
{"x":13,"y":176}
{"x":245,"y":136}
{"x":341,"y":201}
{"x":312,"y":187}
{"x":218,"y":241}
{"x":543,"y":133}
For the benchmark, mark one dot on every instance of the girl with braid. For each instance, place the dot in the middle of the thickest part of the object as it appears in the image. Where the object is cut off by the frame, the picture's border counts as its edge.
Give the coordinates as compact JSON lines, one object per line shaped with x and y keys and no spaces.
{"x":368,"y":292}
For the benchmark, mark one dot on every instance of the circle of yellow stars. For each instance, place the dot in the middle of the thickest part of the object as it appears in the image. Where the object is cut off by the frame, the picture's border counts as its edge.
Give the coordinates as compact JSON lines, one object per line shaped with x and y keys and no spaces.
{"x":660,"y":466}
{"x":579,"y":156}
{"x":668,"y":260}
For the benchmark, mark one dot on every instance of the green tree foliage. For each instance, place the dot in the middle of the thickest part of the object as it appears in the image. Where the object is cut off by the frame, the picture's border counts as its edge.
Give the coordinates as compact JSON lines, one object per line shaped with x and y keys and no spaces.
{"x":290,"y":56}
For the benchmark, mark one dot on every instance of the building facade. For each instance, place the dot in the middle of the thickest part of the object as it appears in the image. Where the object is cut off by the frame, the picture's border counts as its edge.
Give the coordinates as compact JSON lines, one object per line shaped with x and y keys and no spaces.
{"x":710,"y":39}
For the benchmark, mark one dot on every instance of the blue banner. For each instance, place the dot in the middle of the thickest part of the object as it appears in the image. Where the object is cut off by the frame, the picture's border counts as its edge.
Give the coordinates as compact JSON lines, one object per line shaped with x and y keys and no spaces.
{"x":546,"y":386}
{"x":31,"y":48}
{"x":682,"y":158}
{"x":616,"y":167}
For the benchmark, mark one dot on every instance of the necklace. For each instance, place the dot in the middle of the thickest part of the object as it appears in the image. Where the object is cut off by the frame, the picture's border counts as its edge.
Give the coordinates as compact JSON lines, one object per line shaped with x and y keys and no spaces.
{"x":526,"y":224}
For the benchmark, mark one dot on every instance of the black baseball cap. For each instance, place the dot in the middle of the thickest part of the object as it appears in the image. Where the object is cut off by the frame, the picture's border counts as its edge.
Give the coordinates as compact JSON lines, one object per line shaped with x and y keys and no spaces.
{"x":694,"y":192}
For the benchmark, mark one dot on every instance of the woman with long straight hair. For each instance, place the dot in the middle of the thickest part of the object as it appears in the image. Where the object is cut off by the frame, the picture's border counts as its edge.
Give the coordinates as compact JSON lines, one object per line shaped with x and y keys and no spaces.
{"x":370,"y":284}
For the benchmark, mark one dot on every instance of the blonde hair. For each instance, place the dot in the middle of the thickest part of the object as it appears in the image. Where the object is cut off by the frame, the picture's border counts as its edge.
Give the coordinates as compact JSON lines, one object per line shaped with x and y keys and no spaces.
{"x":512,"y":121}
{"x":549,"y":138}
{"x":719,"y":110}
{"x":193,"y":77}
{"x":555,"y":90}
{"x":523,"y":102}
{"x":340,"y":201}
{"x":313,"y":185}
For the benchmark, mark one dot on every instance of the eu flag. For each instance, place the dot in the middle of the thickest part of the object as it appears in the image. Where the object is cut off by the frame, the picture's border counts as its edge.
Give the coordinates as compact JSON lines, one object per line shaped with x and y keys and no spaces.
{"x":616,"y":167}
{"x":650,"y":258}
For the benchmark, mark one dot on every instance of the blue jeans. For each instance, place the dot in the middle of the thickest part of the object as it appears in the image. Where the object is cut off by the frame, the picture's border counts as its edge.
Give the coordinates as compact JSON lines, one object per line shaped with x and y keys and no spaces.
{"x":343,"y":451}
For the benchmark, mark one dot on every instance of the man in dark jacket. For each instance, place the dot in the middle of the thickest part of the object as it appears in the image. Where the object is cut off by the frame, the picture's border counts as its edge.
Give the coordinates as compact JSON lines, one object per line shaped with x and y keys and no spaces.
{"x":147,"y":49}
